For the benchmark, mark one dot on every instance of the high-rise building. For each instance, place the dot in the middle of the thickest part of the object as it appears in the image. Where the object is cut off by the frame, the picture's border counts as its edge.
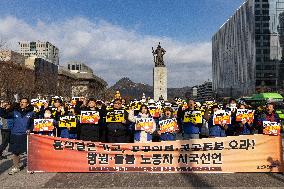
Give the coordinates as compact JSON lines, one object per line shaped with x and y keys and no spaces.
{"x":247,"y":51}
{"x":204,"y":91}
{"x":38,"y":49}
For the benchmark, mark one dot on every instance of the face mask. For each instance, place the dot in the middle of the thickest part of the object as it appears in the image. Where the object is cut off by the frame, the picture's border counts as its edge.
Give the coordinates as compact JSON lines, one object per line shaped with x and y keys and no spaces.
{"x":233,"y":105}
{"x":48,"y":115}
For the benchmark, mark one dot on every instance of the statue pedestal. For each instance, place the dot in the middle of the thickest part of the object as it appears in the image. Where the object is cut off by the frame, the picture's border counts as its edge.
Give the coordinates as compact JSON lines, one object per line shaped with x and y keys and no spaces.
{"x":160,"y":82}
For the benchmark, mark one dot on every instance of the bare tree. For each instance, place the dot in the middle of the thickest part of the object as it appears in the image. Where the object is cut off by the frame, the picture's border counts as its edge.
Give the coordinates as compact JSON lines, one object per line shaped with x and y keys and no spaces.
{"x":3,"y":46}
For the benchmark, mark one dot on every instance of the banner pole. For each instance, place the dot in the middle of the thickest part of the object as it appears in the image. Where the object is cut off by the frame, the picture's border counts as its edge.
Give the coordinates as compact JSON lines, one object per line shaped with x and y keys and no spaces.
{"x":281,"y":153}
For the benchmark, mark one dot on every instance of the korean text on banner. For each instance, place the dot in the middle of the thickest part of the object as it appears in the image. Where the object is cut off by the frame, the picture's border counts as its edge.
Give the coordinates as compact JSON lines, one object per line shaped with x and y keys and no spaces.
{"x":246,"y":153}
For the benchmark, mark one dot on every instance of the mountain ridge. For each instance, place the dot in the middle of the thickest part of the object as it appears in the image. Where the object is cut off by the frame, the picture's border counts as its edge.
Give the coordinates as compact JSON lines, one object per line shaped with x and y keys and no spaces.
{"x":131,"y":90}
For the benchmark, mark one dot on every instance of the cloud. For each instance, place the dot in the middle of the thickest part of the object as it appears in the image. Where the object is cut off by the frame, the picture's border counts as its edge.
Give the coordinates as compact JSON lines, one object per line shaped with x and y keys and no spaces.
{"x":114,"y":51}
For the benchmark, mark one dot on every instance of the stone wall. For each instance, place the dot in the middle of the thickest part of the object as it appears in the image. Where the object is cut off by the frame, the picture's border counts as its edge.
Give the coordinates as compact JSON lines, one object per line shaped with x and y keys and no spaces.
{"x":46,"y":77}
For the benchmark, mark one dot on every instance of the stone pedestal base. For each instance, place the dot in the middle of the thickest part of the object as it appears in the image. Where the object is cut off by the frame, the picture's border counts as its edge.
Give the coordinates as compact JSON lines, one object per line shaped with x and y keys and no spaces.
{"x":160,"y":82}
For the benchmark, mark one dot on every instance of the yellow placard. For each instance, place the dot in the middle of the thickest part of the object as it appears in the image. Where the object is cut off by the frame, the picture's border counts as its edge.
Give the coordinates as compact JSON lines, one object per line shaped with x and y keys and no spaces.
{"x":194,"y":117}
{"x":115,"y":116}
{"x":136,"y":105}
{"x":67,"y":121}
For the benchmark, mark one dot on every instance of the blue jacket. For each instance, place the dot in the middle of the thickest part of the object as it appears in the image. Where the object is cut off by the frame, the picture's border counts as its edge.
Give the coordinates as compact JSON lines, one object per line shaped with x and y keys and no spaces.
{"x":22,"y":120}
{"x":6,"y":123}
{"x":189,"y":127}
{"x":246,"y":129}
{"x":215,"y":130}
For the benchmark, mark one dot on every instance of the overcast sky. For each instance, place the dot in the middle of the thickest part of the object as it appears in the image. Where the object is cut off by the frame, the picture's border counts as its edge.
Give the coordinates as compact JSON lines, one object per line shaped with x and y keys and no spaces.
{"x":115,"y":37}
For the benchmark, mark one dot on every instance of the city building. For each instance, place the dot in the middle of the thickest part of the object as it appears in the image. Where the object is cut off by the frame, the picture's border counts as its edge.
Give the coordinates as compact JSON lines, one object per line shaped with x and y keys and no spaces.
{"x":247,"y":51}
{"x":87,"y":84}
{"x":78,"y":67}
{"x":11,"y":56}
{"x":205,"y":91}
{"x":38,"y":49}
{"x":191,"y":93}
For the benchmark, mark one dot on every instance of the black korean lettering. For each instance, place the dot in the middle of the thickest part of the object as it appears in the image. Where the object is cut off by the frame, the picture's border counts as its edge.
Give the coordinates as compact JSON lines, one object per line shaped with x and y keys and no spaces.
{"x":57,"y":145}
{"x":196,"y":147}
{"x":103,"y":158}
{"x":145,"y":160}
{"x":157,"y":148}
{"x":106,"y":147}
{"x":156,"y":159}
{"x":234,"y":144}
{"x":208,"y":146}
{"x":146,"y":148}
{"x":217,"y":158}
{"x":118,"y":159}
{"x":205,"y":158}
{"x":135,"y":148}
{"x":80,"y":146}
{"x":130,"y":159}
{"x":168,"y":158}
{"x":69,"y":145}
{"x":92,"y":158}
{"x":193,"y":158}
{"x":182,"y":158}
{"x":169,"y":148}
{"x":91,"y":147}
{"x":219,"y":146}
{"x":245,"y":144}
{"x":184,"y":147}
{"x":116,"y":148}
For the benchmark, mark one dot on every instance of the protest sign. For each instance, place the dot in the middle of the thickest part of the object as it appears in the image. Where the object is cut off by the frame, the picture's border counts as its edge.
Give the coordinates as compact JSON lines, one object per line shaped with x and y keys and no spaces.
{"x":154,"y":111}
{"x":245,"y":114}
{"x":43,"y":125}
{"x":168,"y":125}
{"x":135,"y":105}
{"x":115,"y":116}
{"x":271,"y":128}
{"x":67,"y":121}
{"x":221,"y":117}
{"x":89,"y":117}
{"x":193,"y":117}
{"x":144,"y":124}
{"x":175,"y":110}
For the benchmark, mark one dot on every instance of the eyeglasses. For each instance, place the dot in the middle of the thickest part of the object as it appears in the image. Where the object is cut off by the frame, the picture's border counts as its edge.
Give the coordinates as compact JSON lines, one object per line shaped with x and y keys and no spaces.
{"x":118,"y":103}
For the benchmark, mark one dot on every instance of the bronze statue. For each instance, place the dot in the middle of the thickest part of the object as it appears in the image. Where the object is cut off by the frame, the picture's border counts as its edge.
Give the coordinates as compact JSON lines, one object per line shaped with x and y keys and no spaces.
{"x":158,"y":56}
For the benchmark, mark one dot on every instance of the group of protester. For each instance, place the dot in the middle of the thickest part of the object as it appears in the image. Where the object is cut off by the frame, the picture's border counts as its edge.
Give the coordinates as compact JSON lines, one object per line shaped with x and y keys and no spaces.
{"x":17,"y":120}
